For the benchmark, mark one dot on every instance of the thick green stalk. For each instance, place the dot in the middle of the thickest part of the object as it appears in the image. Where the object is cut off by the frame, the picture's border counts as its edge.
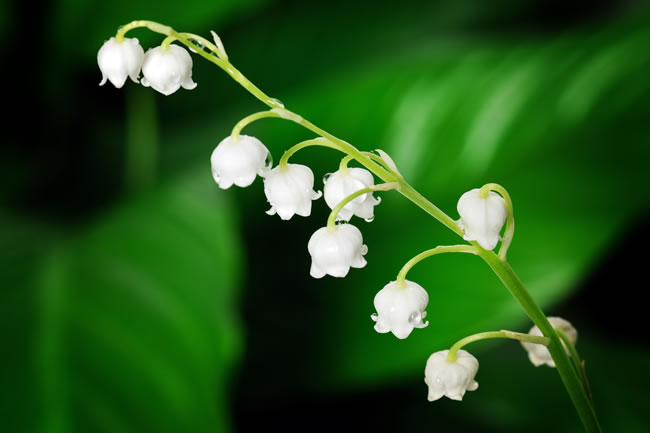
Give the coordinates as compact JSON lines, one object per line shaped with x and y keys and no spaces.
{"x":562,"y":362}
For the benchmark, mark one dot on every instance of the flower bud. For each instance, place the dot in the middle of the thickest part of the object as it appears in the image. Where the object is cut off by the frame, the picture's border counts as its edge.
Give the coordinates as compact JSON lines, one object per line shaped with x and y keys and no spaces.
{"x":482,"y":218}
{"x":335,"y":252}
{"x":450,"y":379}
{"x":167,"y":69}
{"x":238,"y":162}
{"x":290,"y":190}
{"x":538,"y":353}
{"x":399,"y":310}
{"x":118,"y":60}
{"x":339,"y":185}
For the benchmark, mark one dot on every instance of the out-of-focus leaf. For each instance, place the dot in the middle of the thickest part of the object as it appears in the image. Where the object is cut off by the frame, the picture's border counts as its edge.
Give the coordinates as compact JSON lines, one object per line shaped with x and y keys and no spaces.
{"x":138,"y":327}
{"x":23,"y":245}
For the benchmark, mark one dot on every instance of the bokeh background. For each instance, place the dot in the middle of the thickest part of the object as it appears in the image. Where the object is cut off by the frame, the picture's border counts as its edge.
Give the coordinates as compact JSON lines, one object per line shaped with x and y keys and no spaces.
{"x":138,"y":297}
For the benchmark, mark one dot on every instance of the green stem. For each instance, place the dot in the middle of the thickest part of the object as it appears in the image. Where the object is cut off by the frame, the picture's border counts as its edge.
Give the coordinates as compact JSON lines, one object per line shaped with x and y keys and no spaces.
{"x":331,"y":221}
{"x":401,"y":277}
{"x":562,"y":362}
{"x":273,"y":113}
{"x":577,"y":362}
{"x":343,"y":166}
{"x":453,"y":351}
{"x":320,"y":141}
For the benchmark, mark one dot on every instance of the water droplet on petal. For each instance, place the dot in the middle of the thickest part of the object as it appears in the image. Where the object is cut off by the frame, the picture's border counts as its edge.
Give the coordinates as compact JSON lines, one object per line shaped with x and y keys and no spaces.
{"x":414,"y":318}
{"x":369,"y":220}
{"x":326,"y":177}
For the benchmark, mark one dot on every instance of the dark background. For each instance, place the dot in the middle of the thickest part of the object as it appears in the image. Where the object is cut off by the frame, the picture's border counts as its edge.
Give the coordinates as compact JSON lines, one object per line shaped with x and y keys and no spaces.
{"x":137,"y":296}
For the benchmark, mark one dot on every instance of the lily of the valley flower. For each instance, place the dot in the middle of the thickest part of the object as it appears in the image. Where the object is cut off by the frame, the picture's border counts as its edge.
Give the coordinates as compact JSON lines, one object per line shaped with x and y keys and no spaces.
{"x":341,"y":184}
{"x":450,"y":379}
{"x":482,"y":218}
{"x":400,"y":309}
{"x":538,"y":353}
{"x":119,"y":60}
{"x":289,"y":190}
{"x":334,"y":252}
{"x":166,"y":69}
{"x":238,"y":161}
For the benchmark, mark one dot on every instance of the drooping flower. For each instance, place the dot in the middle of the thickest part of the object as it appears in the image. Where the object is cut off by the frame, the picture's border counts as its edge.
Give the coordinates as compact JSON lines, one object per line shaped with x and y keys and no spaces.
{"x":335,"y":252}
{"x":290,"y":190}
{"x":538,"y":353}
{"x":482,"y":218}
{"x":167,"y":69}
{"x":339,"y":185}
{"x":238,"y":161}
{"x":450,"y":379}
{"x":119,"y":60}
{"x":400,"y":309}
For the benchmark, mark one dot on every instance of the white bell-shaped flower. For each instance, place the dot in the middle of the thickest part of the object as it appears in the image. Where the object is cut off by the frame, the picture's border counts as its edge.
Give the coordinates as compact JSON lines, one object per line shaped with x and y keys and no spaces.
{"x":238,"y":161}
{"x":538,"y":353}
{"x":167,"y":69}
{"x":340,"y":185}
{"x":399,"y":310}
{"x":290,"y":191}
{"x":482,"y":218}
{"x":335,"y":252}
{"x":450,"y":379}
{"x":119,"y":60}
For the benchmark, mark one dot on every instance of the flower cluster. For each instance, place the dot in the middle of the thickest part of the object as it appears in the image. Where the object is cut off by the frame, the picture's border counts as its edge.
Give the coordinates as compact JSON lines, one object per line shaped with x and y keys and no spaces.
{"x":338,"y":246}
{"x":335,"y":248}
{"x":165,"y":68}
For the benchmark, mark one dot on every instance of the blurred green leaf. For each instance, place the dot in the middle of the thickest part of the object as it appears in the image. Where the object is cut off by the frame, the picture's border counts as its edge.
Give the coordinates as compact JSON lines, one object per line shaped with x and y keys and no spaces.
{"x":23,"y":245}
{"x":138,"y":321}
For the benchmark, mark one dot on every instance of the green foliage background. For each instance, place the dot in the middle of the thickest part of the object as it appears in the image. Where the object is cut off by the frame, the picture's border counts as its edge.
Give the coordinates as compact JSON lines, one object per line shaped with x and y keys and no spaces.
{"x":137,"y":296}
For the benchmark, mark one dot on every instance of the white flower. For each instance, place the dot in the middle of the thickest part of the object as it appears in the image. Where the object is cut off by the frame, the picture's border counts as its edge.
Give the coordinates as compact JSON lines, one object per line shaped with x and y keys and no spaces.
{"x":290,"y":191}
{"x":238,"y":162}
{"x":482,"y":218}
{"x":399,"y":310}
{"x":538,"y":353}
{"x":335,"y":252}
{"x":167,"y":69}
{"x":340,"y":185}
{"x":118,"y":60}
{"x":450,"y":379}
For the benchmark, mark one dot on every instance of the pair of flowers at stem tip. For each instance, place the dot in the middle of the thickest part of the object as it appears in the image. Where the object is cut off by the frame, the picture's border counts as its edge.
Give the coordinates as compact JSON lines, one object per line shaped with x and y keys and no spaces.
{"x":165,"y":68}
